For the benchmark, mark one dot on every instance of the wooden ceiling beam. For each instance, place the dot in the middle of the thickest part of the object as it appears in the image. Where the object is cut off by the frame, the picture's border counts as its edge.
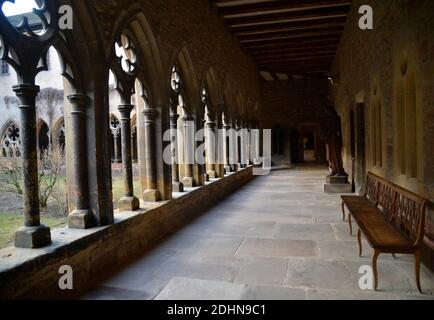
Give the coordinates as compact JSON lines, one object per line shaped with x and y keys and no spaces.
{"x":291,"y":35}
{"x":274,"y":19}
{"x":294,"y":55}
{"x":291,"y":44}
{"x":293,"y":50}
{"x":299,"y":27}
{"x":290,"y":24}
{"x":275,"y":7}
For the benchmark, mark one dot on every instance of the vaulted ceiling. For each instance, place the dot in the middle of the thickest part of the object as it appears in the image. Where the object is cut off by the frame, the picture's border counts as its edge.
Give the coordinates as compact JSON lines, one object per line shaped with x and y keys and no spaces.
{"x":287,"y":37}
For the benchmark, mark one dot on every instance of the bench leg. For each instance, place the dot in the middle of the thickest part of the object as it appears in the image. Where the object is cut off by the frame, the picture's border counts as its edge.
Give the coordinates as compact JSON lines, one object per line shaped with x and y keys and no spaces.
{"x":417,"y":269}
{"x":350,"y":224}
{"x":374,"y":268}
{"x":343,"y":210}
{"x":359,"y":240}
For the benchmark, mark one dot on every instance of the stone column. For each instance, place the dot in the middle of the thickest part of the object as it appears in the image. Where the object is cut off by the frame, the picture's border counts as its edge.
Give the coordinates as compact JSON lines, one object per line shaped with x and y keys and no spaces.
{"x":177,"y":185}
{"x":151,"y":194}
{"x":237,"y":147}
{"x":226,"y":147}
{"x":188,"y":180}
{"x":134,"y":144}
{"x":211,"y":149}
{"x":220,"y":169}
{"x":117,"y":146}
{"x":33,"y":234}
{"x":81,"y":217}
{"x":129,"y":202}
{"x":243,"y":146}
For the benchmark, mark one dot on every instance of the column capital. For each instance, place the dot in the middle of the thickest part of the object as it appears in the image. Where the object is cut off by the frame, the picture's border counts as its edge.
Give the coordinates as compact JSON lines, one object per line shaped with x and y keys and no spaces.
{"x":187,"y":118}
{"x":26,"y":89}
{"x":125,"y":111}
{"x":149,"y":113}
{"x":77,"y":98}
{"x":174,"y":116}
{"x":78,"y":102}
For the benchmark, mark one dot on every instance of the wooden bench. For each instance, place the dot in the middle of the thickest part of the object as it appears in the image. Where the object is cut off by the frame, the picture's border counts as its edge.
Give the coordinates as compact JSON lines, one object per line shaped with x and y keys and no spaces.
{"x":391,"y":218}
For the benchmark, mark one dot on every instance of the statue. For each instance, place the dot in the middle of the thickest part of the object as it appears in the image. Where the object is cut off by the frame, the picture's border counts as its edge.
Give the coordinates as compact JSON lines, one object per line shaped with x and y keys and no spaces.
{"x":333,"y":137}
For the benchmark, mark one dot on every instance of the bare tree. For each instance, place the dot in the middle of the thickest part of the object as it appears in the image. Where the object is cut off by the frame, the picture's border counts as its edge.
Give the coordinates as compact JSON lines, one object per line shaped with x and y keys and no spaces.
{"x":51,"y":164}
{"x":51,"y":99}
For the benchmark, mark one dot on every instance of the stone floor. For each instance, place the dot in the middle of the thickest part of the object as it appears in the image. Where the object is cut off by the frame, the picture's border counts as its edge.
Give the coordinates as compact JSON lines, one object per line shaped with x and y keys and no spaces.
{"x":280,"y":237}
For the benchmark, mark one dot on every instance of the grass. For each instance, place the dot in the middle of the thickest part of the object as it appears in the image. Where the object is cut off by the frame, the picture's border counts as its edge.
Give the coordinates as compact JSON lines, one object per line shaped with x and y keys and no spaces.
{"x":10,"y":222}
{"x":118,"y":188}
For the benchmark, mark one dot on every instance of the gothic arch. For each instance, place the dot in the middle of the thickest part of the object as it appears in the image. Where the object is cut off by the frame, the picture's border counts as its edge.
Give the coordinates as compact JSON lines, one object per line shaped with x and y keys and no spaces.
{"x":10,"y":139}
{"x":187,"y":72}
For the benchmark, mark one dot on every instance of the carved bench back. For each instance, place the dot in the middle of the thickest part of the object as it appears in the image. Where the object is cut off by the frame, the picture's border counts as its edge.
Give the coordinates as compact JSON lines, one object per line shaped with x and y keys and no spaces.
{"x":371,"y":187}
{"x":403,"y":208}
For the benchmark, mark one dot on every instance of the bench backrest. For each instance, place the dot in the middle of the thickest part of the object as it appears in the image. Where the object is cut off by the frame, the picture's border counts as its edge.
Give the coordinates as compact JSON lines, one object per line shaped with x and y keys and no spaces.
{"x":403,"y":208}
{"x":371,"y":187}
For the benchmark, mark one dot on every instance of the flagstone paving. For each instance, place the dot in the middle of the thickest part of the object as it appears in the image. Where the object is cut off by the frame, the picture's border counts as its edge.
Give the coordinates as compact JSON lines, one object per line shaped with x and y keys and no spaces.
{"x":280,"y":237}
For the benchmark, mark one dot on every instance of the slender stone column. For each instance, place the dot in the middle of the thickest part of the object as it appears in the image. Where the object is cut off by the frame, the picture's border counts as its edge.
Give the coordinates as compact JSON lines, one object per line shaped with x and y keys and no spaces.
{"x":129,"y":202}
{"x":151,"y":194}
{"x":237,"y":147}
{"x":81,"y":217}
{"x":177,"y":185}
{"x":33,"y":234}
{"x":220,"y":170}
{"x":117,"y":147}
{"x":211,"y":149}
{"x":188,"y":180}
{"x":226,"y":147}
{"x":134,"y":144}
{"x":242,"y":147}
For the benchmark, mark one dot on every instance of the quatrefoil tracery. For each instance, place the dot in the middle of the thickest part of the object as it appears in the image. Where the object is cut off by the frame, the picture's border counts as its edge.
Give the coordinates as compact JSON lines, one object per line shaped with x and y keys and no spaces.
{"x":41,"y":14}
{"x":126,"y":54}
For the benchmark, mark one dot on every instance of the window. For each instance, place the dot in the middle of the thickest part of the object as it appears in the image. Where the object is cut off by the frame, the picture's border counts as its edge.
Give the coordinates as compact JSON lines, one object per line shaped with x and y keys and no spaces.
{"x":407,"y":115}
{"x":4,"y":67}
{"x":10,"y":141}
{"x":376,"y":129}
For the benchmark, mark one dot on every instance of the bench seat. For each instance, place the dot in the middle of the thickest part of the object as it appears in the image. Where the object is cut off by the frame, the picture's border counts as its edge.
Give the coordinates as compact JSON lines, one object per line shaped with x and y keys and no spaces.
{"x":380,"y":233}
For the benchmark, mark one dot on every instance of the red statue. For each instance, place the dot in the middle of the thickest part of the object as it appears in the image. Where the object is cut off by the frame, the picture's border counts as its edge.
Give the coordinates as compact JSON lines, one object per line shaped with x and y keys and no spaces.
{"x":333,"y":137}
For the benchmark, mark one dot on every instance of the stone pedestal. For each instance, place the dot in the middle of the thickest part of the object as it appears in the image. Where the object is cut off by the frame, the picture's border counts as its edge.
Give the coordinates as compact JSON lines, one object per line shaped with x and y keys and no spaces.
{"x":337,"y":184}
{"x":188,"y":182}
{"x":151,"y":196}
{"x":129,"y":204}
{"x":32,"y":237}
{"x":80,"y":219}
{"x":177,"y":187}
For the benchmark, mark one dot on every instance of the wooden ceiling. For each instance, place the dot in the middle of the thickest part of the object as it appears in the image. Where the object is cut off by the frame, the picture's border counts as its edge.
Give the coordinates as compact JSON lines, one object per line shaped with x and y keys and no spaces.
{"x":292,"y":37}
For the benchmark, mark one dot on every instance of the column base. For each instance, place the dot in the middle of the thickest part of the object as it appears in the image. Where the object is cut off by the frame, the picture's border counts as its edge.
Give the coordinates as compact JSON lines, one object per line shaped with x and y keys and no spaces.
{"x":80,"y":219}
{"x":177,"y":187}
{"x":188,"y":182}
{"x":206,"y":177}
{"x":151,"y":196}
{"x":32,"y":237}
{"x":227,"y":169}
{"x":238,"y":167}
{"x":129,"y":204}
{"x":212,"y":174}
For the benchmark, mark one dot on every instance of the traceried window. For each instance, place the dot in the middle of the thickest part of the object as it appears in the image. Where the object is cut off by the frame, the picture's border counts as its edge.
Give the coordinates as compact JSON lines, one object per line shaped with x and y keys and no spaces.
{"x":407,"y":113}
{"x":10,"y":141}
{"x":376,"y":129}
{"x":4,"y":68}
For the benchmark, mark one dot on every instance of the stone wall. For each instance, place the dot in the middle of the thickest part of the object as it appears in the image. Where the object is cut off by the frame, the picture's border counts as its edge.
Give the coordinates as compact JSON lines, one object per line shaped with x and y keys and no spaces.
{"x":372,"y":63}
{"x":295,"y":104}
{"x":91,"y":253}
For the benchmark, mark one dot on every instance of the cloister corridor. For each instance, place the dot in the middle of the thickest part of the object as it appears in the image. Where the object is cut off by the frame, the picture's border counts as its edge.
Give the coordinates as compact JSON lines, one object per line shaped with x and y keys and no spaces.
{"x":279,"y":237}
